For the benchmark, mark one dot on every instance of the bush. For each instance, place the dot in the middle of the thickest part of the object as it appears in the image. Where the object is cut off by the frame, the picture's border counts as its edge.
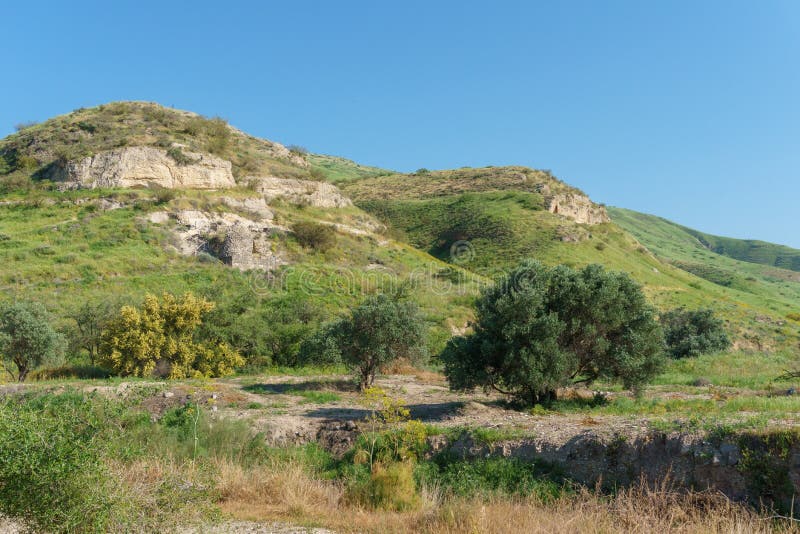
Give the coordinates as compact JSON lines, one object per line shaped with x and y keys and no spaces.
{"x":178,"y":156}
{"x":240,"y":321}
{"x":27,"y":340}
{"x":218,"y":135}
{"x":51,"y":475}
{"x":313,"y":235}
{"x":694,"y":332}
{"x":70,"y":372}
{"x":298,"y":150}
{"x":390,"y":487}
{"x":541,"y":328}
{"x":164,"y":195}
{"x":383,"y":329}
{"x":159,"y":339}
{"x":24,"y":125}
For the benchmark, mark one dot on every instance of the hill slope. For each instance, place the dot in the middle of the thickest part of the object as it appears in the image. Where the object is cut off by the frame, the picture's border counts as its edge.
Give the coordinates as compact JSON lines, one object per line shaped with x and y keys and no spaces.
{"x":447,"y":232}
{"x":759,"y":285}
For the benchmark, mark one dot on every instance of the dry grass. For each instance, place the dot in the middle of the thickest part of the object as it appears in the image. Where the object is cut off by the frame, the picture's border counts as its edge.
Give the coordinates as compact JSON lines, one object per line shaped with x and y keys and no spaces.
{"x":286,"y":492}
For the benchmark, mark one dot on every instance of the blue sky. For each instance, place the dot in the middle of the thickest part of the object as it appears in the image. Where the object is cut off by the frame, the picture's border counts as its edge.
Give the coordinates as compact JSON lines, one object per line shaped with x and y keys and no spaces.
{"x":685,"y":109}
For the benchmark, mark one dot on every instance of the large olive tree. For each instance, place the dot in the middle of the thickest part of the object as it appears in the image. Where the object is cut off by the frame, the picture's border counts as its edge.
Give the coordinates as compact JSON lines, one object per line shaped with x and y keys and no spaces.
{"x":542,"y":328}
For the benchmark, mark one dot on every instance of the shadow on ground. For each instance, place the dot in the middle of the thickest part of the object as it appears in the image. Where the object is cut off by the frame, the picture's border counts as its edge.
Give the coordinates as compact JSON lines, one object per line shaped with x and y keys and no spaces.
{"x":315,"y":385}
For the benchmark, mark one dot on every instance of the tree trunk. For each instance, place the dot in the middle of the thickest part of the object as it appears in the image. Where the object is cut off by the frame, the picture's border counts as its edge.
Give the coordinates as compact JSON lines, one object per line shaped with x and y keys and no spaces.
{"x":23,"y":374}
{"x":365,"y":378}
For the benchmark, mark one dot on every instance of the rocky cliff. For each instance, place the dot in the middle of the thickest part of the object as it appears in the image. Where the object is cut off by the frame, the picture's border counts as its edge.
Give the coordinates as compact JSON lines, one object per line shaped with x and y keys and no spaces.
{"x":144,"y":166}
{"x":577,"y":207}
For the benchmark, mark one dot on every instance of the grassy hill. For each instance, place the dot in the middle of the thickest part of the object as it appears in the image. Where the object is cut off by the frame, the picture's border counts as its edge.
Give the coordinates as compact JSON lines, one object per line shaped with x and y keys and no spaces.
{"x":760,"y":285}
{"x":84,"y":132}
{"x":448,"y":232}
{"x":497,"y":216}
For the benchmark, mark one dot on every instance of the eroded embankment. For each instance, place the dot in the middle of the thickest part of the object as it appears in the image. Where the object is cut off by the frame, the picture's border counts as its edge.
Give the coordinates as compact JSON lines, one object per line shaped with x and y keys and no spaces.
{"x":759,"y":467}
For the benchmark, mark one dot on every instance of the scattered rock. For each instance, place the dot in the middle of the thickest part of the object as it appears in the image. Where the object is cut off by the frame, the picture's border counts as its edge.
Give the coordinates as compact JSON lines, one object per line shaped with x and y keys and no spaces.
{"x":302,"y":192}
{"x":254,"y":206}
{"x":337,"y":437}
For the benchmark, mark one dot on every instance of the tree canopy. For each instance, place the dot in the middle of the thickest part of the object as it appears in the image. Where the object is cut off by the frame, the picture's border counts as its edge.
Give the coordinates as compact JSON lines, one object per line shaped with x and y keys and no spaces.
{"x":27,"y":339}
{"x":380,"y":330}
{"x":541,"y":328}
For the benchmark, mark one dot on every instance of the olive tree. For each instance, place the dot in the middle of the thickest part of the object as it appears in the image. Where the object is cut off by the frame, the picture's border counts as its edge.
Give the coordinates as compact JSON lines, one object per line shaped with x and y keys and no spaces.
{"x":379,"y":331}
{"x":27,"y":339}
{"x":541,"y":328}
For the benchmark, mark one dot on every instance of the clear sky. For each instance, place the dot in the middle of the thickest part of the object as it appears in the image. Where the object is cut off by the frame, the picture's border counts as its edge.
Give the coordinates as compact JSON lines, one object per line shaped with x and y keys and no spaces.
{"x":685,"y":109}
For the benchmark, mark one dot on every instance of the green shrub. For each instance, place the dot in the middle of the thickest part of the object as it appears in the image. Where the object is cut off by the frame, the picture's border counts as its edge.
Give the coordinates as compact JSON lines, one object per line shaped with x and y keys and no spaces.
{"x":178,"y":156}
{"x":694,"y":332}
{"x":164,"y":195}
{"x":314,"y":235}
{"x":490,"y":476}
{"x":51,"y":474}
{"x":218,"y":135}
{"x":70,"y":372}
{"x":389,"y":486}
{"x":540,"y":328}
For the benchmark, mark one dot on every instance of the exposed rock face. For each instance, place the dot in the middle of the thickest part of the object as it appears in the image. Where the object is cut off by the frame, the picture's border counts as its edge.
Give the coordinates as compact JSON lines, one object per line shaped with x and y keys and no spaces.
{"x":303,"y":192}
{"x":144,"y":166}
{"x":577,"y":207}
{"x":689,"y":460}
{"x":233,"y":239}
{"x":253,"y":206}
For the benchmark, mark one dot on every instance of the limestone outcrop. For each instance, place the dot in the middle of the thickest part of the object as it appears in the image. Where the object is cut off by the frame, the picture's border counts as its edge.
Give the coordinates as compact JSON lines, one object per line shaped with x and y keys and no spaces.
{"x":144,"y":166}
{"x":235,"y":240}
{"x":302,"y":192}
{"x":577,"y":207}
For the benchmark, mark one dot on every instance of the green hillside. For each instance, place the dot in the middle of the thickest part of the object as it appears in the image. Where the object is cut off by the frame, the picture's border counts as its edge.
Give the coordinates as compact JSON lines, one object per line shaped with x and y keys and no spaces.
{"x":760,"y":285}
{"x":336,"y":169}
{"x":493,"y":217}
{"x":447,"y":233}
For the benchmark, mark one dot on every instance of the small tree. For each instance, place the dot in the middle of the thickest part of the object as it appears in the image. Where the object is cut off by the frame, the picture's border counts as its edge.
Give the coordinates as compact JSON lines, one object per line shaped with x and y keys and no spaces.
{"x":381,"y":330}
{"x":543,"y":328}
{"x":694,"y":332}
{"x":158,"y":338}
{"x":27,"y":340}
{"x":90,"y":319}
